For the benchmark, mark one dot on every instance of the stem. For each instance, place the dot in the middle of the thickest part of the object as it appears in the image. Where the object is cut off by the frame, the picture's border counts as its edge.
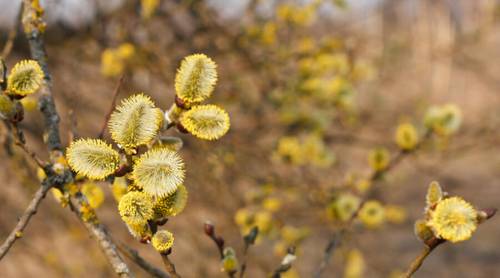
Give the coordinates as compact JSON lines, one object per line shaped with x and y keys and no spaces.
{"x":17,"y":232}
{"x":417,"y":262}
{"x":34,"y":26}
{"x":133,"y":255}
{"x":102,"y":236}
{"x":169,"y":266}
{"x":330,"y":248}
{"x":113,"y":103}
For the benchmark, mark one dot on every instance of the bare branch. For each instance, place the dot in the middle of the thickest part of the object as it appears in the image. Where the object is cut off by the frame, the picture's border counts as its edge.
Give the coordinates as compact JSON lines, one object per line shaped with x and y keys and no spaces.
{"x":169,"y":266}
{"x":101,"y":235}
{"x":34,"y":27}
{"x":112,"y":107}
{"x":133,"y":255}
{"x":7,"y":48}
{"x":25,"y":218}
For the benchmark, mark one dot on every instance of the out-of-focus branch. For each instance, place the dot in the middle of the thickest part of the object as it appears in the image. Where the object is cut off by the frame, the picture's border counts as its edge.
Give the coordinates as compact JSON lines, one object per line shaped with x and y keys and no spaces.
{"x":32,"y":208}
{"x":373,"y":176}
{"x":285,"y":264}
{"x":133,"y":255}
{"x":330,"y":248}
{"x":249,"y":240}
{"x":7,"y":48}
{"x":112,"y":107}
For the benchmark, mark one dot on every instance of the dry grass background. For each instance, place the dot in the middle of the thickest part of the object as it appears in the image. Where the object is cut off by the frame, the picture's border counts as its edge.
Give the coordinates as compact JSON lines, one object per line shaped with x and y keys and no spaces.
{"x":422,"y":61}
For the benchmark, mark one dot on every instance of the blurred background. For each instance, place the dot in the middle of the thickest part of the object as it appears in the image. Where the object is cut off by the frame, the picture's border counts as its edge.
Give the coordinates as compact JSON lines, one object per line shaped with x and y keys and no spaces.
{"x":311,"y":87}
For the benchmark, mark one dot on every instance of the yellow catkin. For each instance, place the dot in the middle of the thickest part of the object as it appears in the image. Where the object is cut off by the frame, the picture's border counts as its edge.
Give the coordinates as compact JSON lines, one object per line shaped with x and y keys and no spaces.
{"x":229,"y":263}
{"x":159,"y":172}
{"x":172,"y":204}
{"x":372,"y":214}
{"x":378,"y":159}
{"x":25,"y":78}
{"x":136,"y":208}
{"x":406,"y":136}
{"x":434,"y":194}
{"x":136,"y":121}
{"x":208,"y":122}
{"x":195,"y":78}
{"x":94,"y":194}
{"x":453,"y":219}
{"x":162,"y":241}
{"x":92,"y":158}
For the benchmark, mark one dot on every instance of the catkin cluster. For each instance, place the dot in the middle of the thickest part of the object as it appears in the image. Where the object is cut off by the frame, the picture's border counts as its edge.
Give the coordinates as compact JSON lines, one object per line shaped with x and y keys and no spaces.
{"x":146,"y":170}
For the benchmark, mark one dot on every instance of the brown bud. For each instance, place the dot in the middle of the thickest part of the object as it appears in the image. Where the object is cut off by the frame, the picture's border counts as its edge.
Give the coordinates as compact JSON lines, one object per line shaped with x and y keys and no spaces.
{"x":487,"y":213}
{"x":220,"y":241}
{"x":181,"y":128}
{"x":162,"y":221}
{"x":209,"y":228}
{"x":180,"y":103}
{"x":122,"y":170}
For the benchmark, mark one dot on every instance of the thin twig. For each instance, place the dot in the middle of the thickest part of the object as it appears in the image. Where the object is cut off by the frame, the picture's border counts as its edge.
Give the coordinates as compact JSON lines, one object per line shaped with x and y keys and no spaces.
{"x":249,"y":239}
{"x":100,"y":233}
{"x":17,"y":232}
{"x":7,"y":48}
{"x":20,"y":141}
{"x":34,"y":26}
{"x":415,"y":265}
{"x":169,"y":266}
{"x":285,"y":264}
{"x":134,"y":256}
{"x":430,"y":245}
{"x":113,"y":103}
{"x":396,"y":160}
{"x":330,"y":248}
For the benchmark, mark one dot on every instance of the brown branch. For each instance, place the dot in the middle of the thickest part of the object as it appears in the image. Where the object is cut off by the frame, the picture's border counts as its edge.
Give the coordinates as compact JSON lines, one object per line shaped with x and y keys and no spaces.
{"x":209,"y":229}
{"x":7,"y":48}
{"x":17,"y":232}
{"x":21,"y":142}
{"x":169,"y":266}
{"x":100,"y":233}
{"x":34,"y":26}
{"x":430,"y":245}
{"x":415,"y":265}
{"x":113,"y":103}
{"x":134,"y":256}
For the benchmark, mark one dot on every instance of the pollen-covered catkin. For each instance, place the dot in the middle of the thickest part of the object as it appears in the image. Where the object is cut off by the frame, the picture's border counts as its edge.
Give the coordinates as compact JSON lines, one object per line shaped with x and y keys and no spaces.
{"x":159,"y":172}
{"x":195,"y":78}
{"x":25,"y":78}
{"x":92,"y":158}
{"x":208,"y":122}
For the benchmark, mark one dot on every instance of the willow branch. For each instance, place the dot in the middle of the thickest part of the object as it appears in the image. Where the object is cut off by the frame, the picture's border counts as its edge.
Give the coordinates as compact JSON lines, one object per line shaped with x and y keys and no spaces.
{"x":330,"y":248}
{"x":113,"y":103}
{"x":101,"y":235}
{"x":32,"y":208}
{"x":133,"y":255}
{"x":169,"y":266}
{"x":417,"y":262}
{"x":7,"y":48}
{"x":34,"y":26}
